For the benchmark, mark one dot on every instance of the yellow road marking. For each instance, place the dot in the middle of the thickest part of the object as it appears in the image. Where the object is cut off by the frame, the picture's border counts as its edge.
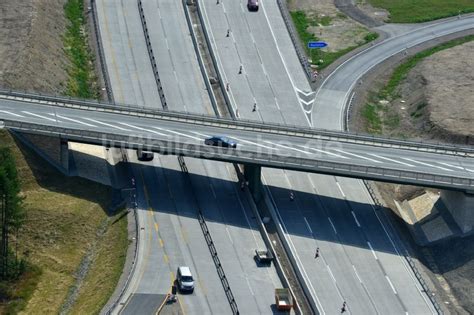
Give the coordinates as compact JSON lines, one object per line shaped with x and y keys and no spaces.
{"x":161,"y":242}
{"x":156,"y":226}
{"x":165,"y":257}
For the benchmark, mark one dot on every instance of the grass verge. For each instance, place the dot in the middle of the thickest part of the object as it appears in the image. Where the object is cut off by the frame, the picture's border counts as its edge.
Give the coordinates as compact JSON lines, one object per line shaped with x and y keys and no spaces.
{"x":320,"y":57}
{"x":82,"y":78}
{"x":409,"y":11}
{"x":377,"y":112}
{"x":63,"y":217}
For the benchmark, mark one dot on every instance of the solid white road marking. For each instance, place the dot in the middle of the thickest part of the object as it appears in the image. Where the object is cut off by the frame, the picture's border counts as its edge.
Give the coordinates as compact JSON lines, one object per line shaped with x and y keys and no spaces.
{"x":458,"y":167}
{"x":286,"y":147}
{"x":200,"y":134}
{"x":357,"y":275}
{"x":391,"y":285}
{"x":332,"y":224}
{"x":426,"y":164}
{"x":228,"y":234}
{"x":330,"y":273}
{"x":73,"y":120}
{"x":307,"y":225}
{"x":13,"y":114}
{"x":325,"y":152}
{"x":340,"y":189}
{"x":356,"y":155}
{"x":143,"y":129}
{"x":355,"y":218}
{"x":248,"y":283}
{"x":106,"y":124}
{"x":178,"y":133}
{"x":372,"y":249}
{"x":40,"y":116}
{"x":254,"y":143}
{"x":391,"y":160}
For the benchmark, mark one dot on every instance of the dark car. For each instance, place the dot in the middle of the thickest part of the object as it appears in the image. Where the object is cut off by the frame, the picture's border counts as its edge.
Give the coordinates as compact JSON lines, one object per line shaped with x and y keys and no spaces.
{"x":252,"y":5}
{"x":144,"y":155}
{"x":220,"y":141}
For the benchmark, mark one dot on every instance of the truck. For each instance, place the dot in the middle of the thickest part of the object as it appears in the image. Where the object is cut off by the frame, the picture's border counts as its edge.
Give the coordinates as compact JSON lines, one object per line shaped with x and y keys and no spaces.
{"x":283,"y":299}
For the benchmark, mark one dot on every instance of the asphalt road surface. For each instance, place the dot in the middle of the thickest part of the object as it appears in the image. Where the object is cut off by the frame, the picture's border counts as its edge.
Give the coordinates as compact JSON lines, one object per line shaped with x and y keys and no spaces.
{"x":271,"y":149}
{"x":359,"y":259}
{"x":169,"y":198}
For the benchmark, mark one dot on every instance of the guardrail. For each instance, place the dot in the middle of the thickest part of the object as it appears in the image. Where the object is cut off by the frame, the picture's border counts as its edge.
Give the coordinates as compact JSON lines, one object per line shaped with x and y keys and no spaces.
{"x":216,"y":63}
{"x":296,"y":131}
{"x":212,"y":249}
{"x":322,"y":166}
{"x":295,"y":39}
{"x":200,"y":59}
{"x":151,"y":55}
{"x":100,"y":51}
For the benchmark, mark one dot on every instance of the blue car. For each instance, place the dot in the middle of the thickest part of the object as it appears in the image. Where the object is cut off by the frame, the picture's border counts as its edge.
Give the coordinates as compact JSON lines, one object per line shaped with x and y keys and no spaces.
{"x":221,"y":141}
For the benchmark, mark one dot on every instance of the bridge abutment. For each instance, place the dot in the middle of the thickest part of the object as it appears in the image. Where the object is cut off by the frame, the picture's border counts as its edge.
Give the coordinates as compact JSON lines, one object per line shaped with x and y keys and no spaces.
{"x":461,"y":207}
{"x":252,"y":174}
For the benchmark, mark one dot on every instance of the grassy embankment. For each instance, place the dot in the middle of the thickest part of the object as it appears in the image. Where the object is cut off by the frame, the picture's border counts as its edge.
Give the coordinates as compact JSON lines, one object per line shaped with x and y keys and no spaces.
{"x":378,"y":116}
{"x":66,"y":216}
{"x":320,"y":57}
{"x":82,"y":78}
{"x":407,"y":11}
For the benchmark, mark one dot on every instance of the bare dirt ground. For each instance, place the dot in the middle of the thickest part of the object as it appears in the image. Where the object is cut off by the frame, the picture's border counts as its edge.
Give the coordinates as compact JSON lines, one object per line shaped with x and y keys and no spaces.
{"x":341,"y":32}
{"x":378,"y":14}
{"x":31,"y":48}
{"x":435,"y":103}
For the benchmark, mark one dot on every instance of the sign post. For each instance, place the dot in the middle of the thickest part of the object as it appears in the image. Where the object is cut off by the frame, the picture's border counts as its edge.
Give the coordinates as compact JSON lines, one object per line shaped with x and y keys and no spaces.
{"x":316,"y":45}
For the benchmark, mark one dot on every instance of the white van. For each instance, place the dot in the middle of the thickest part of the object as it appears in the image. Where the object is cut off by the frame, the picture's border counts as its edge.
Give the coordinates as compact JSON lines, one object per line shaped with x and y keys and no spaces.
{"x":185,"y":279}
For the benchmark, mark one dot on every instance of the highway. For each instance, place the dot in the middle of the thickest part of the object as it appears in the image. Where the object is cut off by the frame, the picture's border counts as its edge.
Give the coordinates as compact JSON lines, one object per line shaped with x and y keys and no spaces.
{"x":360,"y":260}
{"x":171,"y":198}
{"x":257,"y":144}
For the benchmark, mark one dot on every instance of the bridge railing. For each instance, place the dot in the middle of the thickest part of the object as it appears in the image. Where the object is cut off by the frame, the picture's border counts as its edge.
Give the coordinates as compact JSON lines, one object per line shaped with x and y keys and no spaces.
{"x":175,"y":147}
{"x":248,"y":125}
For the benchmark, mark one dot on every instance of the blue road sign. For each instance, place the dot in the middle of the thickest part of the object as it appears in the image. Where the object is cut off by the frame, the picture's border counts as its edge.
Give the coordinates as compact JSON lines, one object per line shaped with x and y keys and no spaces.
{"x":317,"y":44}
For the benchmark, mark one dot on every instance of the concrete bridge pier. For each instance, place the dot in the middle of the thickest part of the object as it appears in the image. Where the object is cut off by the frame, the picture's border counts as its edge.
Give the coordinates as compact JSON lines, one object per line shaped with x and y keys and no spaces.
{"x":252,"y":174}
{"x":461,"y":206}
{"x":64,"y":154}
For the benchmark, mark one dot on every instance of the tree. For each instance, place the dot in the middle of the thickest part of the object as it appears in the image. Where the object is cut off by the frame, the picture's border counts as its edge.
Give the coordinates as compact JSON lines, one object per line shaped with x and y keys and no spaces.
{"x":12,"y":214}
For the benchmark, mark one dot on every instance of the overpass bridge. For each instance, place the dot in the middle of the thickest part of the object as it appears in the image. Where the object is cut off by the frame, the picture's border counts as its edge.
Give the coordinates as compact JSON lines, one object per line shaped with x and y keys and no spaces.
{"x":441,"y":166}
